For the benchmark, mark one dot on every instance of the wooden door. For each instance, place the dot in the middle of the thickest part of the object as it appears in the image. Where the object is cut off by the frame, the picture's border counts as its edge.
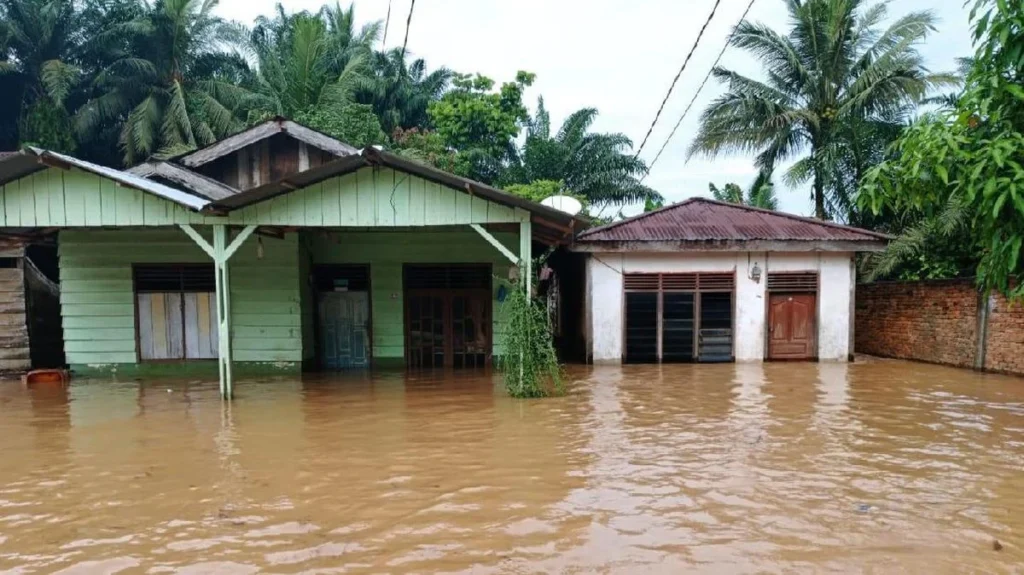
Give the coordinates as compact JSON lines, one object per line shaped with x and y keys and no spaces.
{"x":344,"y":337}
{"x":448,"y":329}
{"x":791,"y":326}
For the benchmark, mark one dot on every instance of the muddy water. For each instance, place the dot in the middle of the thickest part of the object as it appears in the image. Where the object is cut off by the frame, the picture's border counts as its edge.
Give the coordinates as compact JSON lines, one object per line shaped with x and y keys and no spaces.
{"x":878,"y":467}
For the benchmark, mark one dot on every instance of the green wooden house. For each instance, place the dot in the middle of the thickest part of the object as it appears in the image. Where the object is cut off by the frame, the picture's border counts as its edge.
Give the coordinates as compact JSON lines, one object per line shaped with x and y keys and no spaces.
{"x":275,"y":249}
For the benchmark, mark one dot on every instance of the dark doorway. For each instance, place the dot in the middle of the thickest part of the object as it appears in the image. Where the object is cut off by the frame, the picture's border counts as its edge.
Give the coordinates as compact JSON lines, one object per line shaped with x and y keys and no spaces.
{"x":447,"y":316}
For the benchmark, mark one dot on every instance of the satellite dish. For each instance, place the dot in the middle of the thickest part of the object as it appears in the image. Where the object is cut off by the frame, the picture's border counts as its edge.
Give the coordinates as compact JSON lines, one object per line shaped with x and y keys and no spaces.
{"x":566,"y":204}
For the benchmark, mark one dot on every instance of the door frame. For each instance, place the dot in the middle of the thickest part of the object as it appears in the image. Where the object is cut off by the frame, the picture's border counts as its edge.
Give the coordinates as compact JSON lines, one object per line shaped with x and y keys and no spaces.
{"x":317,"y":352}
{"x":817,"y":309}
{"x":447,"y":293}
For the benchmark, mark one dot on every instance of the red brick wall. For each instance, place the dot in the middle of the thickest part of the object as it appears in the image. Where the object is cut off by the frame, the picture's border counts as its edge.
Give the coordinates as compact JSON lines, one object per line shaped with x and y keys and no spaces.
{"x":928,"y":321}
{"x":1004,"y":351}
{"x":937,"y":322}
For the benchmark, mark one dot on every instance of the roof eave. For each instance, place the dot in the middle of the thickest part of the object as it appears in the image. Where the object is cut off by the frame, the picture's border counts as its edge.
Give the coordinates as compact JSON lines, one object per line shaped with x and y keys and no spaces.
{"x":675,"y":246}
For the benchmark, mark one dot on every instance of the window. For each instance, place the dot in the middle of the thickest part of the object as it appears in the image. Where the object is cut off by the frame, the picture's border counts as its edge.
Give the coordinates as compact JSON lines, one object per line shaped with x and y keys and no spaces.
{"x":177,"y":311}
{"x":678,"y":317}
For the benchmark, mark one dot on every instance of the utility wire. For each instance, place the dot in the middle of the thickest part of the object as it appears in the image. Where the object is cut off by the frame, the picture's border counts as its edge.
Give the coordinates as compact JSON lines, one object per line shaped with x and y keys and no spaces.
{"x":697,"y":93}
{"x":676,"y":79}
{"x":387,"y":22}
{"x":408,"y":23}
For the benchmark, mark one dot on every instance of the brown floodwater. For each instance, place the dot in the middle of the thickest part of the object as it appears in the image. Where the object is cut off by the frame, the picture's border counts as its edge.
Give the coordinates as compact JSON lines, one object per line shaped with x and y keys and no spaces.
{"x":876,"y":467}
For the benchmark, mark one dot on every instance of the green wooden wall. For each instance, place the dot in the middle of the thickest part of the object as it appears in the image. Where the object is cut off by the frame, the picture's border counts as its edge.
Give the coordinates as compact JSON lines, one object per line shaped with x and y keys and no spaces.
{"x":98,"y":306}
{"x":386,"y":251}
{"x":370,"y":197}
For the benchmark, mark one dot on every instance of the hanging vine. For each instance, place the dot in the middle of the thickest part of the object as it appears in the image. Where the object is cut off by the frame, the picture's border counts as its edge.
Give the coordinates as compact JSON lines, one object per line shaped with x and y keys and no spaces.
{"x":529,"y":364}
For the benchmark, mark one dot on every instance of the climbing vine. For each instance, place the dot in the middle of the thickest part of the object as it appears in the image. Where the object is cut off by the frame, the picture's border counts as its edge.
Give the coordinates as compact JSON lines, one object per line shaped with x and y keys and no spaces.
{"x":529,"y":364}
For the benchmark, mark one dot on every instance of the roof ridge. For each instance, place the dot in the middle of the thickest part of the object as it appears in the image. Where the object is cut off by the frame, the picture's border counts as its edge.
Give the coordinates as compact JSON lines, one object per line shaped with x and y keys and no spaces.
{"x":695,"y":199}
{"x":641,"y":216}
{"x":804,"y":219}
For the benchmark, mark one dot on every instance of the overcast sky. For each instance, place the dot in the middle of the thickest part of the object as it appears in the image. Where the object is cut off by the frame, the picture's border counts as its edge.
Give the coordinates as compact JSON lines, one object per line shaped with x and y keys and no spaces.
{"x":618,"y":56}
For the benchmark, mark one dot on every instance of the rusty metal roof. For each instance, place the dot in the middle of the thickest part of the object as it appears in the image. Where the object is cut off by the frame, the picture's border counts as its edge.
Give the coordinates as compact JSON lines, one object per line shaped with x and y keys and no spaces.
{"x":703,"y":219}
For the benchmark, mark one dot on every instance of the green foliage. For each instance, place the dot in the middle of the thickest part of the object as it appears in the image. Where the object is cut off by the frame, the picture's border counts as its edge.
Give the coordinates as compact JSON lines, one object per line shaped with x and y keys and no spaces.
{"x":651,"y":205}
{"x":597,"y":167}
{"x":481,"y":124}
{"x":177,"y":89}
{"x":960,"y":173}
{"x":354,"y":124}
{"x":425,"y":147}
{"x":835,"y":75}
{"x":529,"y":364}
{"x":46,"y":125}
{"x":400,"y":91}
{"x":537,"y":190}
{"x":309,"y":61}
{"x":760,"y":195}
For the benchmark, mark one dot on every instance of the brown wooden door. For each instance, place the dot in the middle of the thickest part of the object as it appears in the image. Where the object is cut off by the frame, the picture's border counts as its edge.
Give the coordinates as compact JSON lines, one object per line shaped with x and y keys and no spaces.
{"x":448,"y":328}
{"x":791,"y":327}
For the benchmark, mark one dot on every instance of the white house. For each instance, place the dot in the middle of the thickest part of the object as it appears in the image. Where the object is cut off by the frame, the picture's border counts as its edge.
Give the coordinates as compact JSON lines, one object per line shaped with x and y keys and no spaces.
{"x":709,"y":281}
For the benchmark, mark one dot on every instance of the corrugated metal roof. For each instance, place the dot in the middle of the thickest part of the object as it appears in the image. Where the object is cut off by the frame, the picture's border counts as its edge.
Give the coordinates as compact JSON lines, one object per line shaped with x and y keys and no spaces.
{"x":703,"y":219}
{"x":124,"y":178}
{"x":191,"y":181}
{"x":263,"y":131}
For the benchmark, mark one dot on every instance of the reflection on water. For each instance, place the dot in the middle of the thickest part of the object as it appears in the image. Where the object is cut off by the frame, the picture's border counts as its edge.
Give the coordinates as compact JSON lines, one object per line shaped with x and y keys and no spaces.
{"x":715,"y":468}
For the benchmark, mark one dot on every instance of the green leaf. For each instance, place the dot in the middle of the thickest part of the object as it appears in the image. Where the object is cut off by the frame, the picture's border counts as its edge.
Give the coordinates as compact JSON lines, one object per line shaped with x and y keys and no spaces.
{"x":943,"y":173}
{"x":999,"y":203}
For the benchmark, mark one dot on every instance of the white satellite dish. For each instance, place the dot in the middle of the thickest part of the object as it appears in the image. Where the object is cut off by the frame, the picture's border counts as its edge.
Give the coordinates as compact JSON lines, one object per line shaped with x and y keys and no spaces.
{"x":566,"y":204}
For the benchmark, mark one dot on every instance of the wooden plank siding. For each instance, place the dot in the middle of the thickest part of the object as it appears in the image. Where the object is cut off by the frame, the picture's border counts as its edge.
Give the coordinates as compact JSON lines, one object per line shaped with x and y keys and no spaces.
{"x":387,"y":251}
{"x":14,"y":345}
{"x":370,"y":197}
{"x":98,"y":301}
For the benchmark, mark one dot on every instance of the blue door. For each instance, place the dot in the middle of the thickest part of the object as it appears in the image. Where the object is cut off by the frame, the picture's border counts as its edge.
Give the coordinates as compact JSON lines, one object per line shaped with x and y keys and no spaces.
{"x":344,"y":329}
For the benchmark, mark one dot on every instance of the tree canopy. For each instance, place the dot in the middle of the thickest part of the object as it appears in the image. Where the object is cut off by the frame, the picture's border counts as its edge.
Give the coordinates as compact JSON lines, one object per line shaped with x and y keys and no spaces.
{"x":121,"y":81}
{"x":833,"y":85}
{"x":957,"y":175}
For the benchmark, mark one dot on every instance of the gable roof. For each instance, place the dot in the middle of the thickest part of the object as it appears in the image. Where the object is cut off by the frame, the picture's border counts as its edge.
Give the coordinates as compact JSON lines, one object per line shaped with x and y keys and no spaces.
{"x":191,"y":181}
{"x":261,"y":132}
{"x":31,"y":160}
{"x":371,"y":156}
{"x":706,"y":220}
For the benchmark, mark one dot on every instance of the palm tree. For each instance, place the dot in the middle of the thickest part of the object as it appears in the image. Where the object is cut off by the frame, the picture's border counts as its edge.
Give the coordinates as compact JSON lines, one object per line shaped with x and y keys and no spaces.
{"x":400,"y":91}
{"x":309,"y":60}
{"x":760,"y":195}
{"x":594,"y":166}
{"x":835,"y":67}
{"x":179,"y":87}
{"x":39,"y":42}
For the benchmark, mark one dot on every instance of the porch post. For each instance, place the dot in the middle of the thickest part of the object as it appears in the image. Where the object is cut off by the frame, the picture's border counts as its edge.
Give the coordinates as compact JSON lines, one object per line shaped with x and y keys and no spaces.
{"x":221,"y":252}
{"x":526,"y":254}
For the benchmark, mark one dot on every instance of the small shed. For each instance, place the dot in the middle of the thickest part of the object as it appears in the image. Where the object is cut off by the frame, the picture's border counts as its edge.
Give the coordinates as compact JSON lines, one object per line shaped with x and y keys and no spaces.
{"x":709,"y":281}
{"x":30,"y":328}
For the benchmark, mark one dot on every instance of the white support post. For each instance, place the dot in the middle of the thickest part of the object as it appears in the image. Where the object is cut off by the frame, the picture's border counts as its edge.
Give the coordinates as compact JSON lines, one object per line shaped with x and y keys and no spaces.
{"x":221,"y":251}
{"x":494,"y":242}
{"x":526,"y":254}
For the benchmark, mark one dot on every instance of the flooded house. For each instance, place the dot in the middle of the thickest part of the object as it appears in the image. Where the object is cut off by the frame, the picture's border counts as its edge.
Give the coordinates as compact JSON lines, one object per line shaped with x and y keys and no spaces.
{"x":275,"y":249}
{"x":708,"y":281}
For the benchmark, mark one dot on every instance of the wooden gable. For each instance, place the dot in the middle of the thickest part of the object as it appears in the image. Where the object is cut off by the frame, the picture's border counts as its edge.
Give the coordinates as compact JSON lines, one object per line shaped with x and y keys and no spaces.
{"x":368,"y":197}
{"x":265,"y":161}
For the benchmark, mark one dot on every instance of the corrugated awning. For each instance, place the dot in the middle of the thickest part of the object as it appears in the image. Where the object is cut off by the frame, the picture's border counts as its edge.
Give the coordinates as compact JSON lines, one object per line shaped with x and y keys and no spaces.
{"x":32,"y":160}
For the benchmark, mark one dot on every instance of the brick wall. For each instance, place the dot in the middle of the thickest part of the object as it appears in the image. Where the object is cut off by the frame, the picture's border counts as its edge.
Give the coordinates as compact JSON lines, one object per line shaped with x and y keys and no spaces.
{"x":938,"y":322}
{"x":1004,"y":349}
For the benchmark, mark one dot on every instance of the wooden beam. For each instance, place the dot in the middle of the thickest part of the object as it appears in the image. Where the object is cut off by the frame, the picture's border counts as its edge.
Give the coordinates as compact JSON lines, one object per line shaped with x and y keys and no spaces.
{"x":199,"y":240}
{"x":526,"y":254}
{"x":239,"y":239}
{"x":494,"y":242}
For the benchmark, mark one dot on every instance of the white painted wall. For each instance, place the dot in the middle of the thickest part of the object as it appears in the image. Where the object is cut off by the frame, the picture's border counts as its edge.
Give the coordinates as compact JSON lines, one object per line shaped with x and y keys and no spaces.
{"x":605,"y":296}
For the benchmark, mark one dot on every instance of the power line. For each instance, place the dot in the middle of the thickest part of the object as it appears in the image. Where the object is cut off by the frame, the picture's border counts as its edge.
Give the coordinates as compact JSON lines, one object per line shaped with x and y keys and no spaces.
{"x":676,"y":79}
{"x":697,"y":93}
{"x":408,"y":23}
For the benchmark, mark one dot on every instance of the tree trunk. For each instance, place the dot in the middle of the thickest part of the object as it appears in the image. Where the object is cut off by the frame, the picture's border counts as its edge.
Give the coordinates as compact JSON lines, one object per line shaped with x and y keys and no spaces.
{"x":819,"y":197}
